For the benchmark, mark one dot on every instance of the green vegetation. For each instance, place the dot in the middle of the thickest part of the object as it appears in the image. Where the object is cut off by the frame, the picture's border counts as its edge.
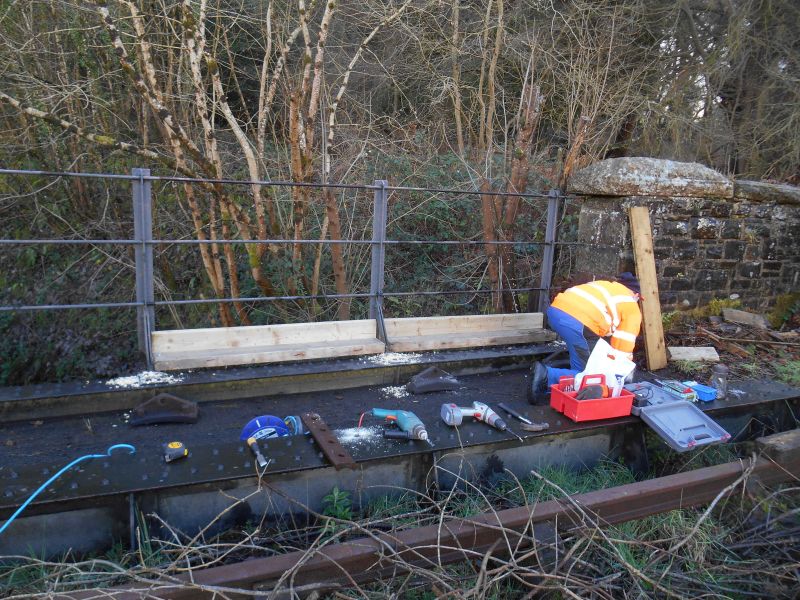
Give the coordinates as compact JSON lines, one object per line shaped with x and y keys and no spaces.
{"x":37,"y":574}
{"x":60,"y":347}
{"x":664,"y":461}
{"x":691,"y":368}
{"x":400,"y":510}
{"x":339,"y":506}
{"x":789,"y":372}
{"x":786,"y":307}
{"x":712,"y":309}
{"x":670,"y":319}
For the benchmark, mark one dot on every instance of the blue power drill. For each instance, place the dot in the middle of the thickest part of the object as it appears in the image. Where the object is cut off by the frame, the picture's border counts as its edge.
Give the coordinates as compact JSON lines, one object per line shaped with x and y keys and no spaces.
{"x":411,"y":428}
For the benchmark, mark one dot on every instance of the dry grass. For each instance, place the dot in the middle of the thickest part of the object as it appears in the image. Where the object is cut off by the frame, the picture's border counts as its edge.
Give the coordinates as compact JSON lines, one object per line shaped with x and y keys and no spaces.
{"x":745,"y":545}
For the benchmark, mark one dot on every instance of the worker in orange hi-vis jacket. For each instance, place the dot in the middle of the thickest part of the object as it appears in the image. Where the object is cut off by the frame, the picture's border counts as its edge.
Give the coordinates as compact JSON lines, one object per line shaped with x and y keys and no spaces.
{"x":581,"y":315}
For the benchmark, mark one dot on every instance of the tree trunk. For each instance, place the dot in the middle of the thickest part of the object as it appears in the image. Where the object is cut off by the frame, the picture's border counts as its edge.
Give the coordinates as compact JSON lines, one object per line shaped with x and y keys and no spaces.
{"x":489,"y":220}
{"x":339,"y":273}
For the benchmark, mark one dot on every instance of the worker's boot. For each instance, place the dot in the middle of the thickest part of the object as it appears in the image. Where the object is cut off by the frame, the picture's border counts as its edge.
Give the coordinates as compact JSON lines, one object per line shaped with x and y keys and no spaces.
{"x":537,"y":390}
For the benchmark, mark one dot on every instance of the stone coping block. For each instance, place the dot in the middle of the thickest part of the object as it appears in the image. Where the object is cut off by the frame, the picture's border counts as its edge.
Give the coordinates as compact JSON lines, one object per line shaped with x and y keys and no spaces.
{"x":640,"y":176}
{"x":759,"y":191}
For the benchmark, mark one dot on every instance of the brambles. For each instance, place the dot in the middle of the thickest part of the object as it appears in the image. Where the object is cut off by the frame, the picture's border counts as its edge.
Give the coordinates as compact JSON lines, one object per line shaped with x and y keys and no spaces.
{"x":744,"y":543}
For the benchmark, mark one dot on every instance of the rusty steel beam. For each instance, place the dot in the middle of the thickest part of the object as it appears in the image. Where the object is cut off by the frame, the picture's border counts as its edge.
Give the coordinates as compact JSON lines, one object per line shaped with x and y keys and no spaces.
{"x":327,"y":441}
{"x":434,"y":545}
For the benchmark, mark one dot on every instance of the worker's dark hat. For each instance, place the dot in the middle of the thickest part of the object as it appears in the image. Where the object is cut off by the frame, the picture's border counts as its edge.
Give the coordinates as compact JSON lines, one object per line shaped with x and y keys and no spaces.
{"x":630,"y":281}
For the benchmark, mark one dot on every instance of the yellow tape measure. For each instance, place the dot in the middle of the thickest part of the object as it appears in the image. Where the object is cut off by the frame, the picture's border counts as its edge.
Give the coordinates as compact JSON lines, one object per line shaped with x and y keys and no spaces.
{"x":174,"y":451}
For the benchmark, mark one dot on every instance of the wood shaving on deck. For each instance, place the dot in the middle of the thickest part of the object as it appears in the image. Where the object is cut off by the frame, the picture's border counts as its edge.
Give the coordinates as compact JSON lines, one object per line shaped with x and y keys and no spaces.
{"x":143,"y":378}
{"x":396,"y":391}
{"x":356,"y":436}
{"x":394,"y":358}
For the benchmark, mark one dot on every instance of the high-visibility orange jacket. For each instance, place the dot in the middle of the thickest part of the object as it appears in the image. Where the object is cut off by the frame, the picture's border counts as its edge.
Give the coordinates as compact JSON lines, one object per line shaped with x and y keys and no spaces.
{"x":605,"y":307}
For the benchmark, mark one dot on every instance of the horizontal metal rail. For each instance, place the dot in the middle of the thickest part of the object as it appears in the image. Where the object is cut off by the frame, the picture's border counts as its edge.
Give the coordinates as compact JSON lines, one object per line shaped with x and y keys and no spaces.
{"x":383,"y":555}
{"x":55,"y":242}
{"x":69,"y":174}
{"x":34,"y":307}
{"x":269,"y":183}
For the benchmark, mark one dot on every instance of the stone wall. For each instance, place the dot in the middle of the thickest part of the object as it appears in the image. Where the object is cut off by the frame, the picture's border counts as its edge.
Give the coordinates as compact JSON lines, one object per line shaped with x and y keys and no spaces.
{"x":711,"y":237}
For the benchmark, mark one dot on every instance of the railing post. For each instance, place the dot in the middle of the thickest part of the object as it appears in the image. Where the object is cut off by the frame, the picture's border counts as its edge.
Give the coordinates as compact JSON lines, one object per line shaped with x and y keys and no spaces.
{"x":143,"y":232}
{"x":553,"y":197}
{"x":379,"y":213}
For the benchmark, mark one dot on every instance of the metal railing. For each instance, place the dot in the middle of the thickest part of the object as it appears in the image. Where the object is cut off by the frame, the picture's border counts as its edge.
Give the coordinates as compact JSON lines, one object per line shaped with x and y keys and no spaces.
{"x":143,"y":242}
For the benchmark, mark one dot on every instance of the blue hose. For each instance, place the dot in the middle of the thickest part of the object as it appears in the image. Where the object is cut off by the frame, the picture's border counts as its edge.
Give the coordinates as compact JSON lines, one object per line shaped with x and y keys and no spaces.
{"x":128,"y":447}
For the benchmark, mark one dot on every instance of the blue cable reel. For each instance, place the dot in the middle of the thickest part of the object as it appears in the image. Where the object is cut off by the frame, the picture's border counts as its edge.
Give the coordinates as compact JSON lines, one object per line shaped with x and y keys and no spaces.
{"x":269,"y":426}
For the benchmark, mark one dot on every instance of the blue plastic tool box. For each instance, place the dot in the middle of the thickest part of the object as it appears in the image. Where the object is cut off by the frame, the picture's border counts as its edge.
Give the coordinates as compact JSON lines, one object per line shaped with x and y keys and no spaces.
{"x":704,"y":392}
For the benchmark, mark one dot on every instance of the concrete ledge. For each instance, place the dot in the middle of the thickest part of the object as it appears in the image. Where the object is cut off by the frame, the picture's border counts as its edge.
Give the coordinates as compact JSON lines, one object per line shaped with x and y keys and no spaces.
{"x":759,"y":191}
{"x":639,"y":176}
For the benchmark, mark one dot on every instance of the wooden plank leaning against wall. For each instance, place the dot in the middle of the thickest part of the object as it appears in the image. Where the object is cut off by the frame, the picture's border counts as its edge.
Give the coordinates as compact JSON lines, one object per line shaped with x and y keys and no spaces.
{"x":652,"y":325}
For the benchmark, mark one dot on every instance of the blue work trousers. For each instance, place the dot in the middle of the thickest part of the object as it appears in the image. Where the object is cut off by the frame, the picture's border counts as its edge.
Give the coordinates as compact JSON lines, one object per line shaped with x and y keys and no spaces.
{"x":579,"y":339}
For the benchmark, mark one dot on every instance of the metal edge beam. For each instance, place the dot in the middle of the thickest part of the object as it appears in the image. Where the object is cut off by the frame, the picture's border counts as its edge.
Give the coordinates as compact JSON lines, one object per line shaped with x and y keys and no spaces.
{"x":33,"y":404}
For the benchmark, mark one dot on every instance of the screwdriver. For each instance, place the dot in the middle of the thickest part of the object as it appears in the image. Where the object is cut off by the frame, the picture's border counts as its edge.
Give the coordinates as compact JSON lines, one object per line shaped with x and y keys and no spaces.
{"x":514,"y":413}
{"x":253,"y":444}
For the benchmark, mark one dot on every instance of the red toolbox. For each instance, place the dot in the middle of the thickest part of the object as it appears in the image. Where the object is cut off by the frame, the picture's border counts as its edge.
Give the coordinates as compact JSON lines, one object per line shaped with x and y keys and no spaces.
{"x":562,"y":399}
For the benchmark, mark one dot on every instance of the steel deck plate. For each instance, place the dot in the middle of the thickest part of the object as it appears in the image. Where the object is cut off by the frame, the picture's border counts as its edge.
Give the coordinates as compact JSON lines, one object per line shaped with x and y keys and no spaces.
{"x":216,"y":462}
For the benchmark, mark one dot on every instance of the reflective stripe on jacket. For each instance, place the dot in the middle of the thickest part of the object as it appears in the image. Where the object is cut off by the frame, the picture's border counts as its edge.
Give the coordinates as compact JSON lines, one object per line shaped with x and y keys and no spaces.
{"x":605,"y":307}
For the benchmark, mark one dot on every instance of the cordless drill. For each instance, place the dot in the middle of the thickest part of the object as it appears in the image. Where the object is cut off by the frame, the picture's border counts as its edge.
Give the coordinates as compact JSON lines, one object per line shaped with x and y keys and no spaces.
{"x":411,"y":427}
{"x":454,"y":415}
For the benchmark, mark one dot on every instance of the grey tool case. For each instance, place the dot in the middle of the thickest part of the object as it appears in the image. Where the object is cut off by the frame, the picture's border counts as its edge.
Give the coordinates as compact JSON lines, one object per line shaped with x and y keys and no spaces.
{"x":679,"y":423}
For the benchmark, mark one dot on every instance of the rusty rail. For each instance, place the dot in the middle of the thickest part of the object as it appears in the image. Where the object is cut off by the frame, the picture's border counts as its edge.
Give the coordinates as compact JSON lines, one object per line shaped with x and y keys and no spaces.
{"x":430,"y":546}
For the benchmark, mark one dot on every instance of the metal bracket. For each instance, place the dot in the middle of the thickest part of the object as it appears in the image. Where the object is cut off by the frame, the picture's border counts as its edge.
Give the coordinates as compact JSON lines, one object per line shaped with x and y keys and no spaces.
{"x":376,"y":278}
{"x":327,"y":441}
{"x":380,"y":323}
{"x":165,"y":408}
{"x":548,"y":254}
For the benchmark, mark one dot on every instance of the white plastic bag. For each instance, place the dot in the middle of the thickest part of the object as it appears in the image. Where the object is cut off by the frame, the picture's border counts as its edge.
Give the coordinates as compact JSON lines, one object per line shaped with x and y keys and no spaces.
{"x":613,"y":364}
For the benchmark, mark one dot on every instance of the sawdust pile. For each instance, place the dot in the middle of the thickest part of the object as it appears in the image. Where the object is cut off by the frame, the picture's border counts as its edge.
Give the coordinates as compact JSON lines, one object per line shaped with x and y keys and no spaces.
{"x":358,"y":436}
{"x":143,"y":378}
{"x":394,"y":358}
{"x":396,"y":391}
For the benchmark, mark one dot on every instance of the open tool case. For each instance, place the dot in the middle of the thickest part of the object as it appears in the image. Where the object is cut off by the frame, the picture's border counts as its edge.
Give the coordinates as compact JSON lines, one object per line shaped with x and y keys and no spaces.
{"x":679,"y":423}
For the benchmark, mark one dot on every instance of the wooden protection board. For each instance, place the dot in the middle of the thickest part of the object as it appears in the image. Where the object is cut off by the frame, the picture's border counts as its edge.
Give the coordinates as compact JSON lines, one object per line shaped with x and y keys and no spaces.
{"x":228,"y":346}
{"x":642,"y":238}
{"x":254,"y":355}
{"x":468,"y":340}
{"x":471,"y":331}
{"x":476,"y":324}
{"x":214,"y":338}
